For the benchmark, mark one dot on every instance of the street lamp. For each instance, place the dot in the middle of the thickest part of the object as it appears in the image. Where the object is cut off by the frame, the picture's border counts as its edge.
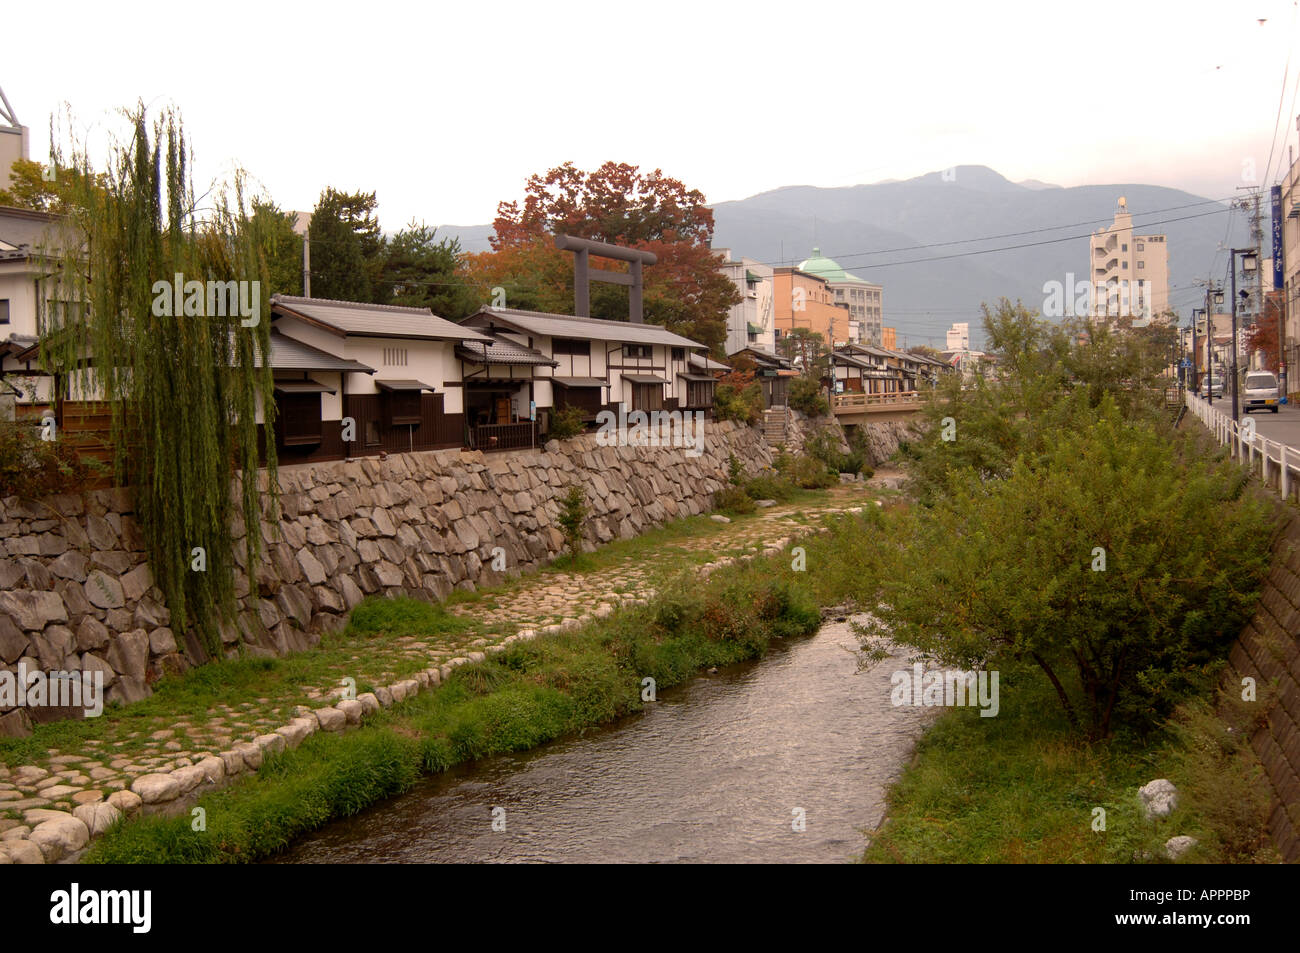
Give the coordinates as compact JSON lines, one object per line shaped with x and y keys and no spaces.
{"x":1249,"y":263}
{"x":1196,"y":354}
{"x":1216,"y":295}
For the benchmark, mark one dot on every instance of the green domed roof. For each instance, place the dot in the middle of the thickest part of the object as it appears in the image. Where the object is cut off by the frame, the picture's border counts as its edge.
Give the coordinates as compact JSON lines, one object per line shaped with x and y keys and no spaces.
{"x":827,"y":269}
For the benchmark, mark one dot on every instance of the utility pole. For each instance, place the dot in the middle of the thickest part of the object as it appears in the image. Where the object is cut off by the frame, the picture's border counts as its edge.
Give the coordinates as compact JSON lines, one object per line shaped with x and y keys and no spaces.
{"x":306,"y":263}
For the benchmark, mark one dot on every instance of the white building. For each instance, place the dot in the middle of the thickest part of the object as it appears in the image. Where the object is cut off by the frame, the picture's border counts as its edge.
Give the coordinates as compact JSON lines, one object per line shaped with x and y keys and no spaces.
{"x":1130,"y":273}
{"x":959,"y":337}
{"x":750,"y":323}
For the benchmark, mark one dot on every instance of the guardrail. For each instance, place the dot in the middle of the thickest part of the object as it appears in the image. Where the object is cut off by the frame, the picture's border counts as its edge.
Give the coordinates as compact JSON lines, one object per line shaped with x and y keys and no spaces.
{"x":1279,"y":464}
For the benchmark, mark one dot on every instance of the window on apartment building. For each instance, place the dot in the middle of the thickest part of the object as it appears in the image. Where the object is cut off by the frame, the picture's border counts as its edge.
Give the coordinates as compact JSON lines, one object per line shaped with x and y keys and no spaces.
{"x":1142,"y":264}
{"x":1124,"y":266}
{"x":4,"y":310}
{"x":395,"y":357}
{"x":1124,"y":247}
{"x":1141,"y":246}
{"x":636,"y":350}
{"x":571,"y":347}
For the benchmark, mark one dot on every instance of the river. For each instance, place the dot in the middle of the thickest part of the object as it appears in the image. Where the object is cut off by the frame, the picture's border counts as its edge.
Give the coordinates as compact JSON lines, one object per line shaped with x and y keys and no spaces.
{"x":723,"y":769}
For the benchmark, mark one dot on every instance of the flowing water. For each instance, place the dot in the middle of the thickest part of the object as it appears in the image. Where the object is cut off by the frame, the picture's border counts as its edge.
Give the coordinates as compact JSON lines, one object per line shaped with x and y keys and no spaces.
{"x":723,"y":769}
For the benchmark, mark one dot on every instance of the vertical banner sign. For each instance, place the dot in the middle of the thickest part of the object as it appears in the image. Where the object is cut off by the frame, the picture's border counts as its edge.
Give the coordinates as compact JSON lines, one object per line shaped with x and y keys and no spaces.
{"x":1276,"y":195}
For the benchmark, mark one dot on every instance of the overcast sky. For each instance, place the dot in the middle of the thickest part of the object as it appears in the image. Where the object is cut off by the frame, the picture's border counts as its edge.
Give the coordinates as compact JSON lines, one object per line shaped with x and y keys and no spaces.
{"x":445,"y":109}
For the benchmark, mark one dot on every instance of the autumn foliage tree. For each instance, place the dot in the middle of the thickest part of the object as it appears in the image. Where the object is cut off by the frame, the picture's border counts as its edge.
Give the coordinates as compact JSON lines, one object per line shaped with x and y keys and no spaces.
{"x":617,"y":203}
{"x":1262,"y":335}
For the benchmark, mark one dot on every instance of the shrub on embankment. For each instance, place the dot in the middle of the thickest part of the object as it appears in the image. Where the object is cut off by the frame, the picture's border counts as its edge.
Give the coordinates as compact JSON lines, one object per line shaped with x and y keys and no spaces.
{"x":1103,"y":563}
{"x":533,"y":691}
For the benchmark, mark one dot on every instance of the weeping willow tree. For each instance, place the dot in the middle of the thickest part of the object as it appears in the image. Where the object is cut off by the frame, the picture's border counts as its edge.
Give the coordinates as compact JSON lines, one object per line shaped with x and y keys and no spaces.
{"x":129,"y":316}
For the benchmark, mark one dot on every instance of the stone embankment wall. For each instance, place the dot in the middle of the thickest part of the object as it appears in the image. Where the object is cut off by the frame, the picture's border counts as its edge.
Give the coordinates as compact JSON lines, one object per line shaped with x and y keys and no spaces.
{"x":1268,"y":650}
{"x":882,"y":437}
{"x":76,"y":593}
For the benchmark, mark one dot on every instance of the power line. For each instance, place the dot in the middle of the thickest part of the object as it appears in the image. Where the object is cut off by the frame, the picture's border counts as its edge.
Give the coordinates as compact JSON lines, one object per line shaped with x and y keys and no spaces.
{"x":1032,"y":231}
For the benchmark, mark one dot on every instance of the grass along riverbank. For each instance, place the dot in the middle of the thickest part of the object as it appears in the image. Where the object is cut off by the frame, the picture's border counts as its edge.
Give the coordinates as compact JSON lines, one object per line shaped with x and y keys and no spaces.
{"x":531,"y":692}
{"x":1023,"y":788}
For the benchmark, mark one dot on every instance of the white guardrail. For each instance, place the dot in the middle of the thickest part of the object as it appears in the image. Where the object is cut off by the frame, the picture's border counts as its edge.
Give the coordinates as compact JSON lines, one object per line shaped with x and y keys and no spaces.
{"x":1279,"y":463}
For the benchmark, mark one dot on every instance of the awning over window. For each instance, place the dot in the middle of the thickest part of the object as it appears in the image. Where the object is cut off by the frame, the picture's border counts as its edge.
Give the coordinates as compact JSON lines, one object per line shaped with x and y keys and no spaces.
{"x":578,"y":381}
{"x":403,"y":385}
{"x":697,"y":378}
{"x":302,"y":387}
{"x":643,"y":379}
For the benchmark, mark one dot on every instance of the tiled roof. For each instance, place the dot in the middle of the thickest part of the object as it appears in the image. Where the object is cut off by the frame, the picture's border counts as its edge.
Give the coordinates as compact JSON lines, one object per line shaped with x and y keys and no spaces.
{"x":501,"y":351}
{"x":703,"y":362}
{"x":291,"y":355}
{"x":542,"y":324}
{"x":372,"y":320}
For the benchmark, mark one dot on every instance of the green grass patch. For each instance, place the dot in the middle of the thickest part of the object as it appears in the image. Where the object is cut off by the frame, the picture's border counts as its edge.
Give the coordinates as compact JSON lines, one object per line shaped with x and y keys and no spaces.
{"x":1022,"y":788}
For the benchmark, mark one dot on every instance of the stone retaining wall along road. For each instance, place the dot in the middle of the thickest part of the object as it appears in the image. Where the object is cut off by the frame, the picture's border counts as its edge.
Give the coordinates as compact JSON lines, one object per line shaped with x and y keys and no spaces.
{"x":76,"y":592}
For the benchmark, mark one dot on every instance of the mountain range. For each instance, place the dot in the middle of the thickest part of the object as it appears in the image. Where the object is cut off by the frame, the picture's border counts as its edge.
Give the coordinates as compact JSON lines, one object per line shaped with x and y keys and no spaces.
{"x":943,"y":243}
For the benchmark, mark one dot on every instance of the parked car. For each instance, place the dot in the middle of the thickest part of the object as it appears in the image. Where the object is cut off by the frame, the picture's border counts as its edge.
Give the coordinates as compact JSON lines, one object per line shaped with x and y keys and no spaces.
{"x":1261,"y":391}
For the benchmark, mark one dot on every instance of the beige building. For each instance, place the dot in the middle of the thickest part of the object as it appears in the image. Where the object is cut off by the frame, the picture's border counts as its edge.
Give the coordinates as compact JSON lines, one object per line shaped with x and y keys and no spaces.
{"x":804,"y":300}
{"x":1130,"y":273}
{"x":863,"y":298}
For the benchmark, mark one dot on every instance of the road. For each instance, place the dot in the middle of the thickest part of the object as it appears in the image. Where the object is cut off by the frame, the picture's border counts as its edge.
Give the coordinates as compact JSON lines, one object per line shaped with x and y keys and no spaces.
{"x":1284,"y":426}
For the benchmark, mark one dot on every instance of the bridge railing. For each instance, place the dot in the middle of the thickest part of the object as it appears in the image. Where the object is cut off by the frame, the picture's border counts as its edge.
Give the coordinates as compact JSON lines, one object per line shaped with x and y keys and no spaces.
{"x":1279,"y":463}
{"x":847,"y":403}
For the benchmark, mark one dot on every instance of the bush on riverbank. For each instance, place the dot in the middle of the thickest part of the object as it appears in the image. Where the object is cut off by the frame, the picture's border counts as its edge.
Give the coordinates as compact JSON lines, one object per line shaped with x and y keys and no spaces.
{"x":1066,"y":524}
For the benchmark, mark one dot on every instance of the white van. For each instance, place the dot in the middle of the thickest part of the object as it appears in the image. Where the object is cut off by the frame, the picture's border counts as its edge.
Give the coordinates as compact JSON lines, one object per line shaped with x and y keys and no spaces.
{"x":1261,"y":392}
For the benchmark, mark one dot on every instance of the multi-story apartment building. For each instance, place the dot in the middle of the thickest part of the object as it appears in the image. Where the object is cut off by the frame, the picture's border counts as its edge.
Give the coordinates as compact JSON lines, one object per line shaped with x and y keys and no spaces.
{"x":752,"y":323}
{"x":863,"y":298}
{"x":1130,"y":273}
{"x":959,"y":337}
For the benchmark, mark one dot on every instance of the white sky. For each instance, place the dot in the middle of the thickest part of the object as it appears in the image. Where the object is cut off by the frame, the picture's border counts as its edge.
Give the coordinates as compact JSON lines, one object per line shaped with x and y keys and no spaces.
{"x":445,"y":109}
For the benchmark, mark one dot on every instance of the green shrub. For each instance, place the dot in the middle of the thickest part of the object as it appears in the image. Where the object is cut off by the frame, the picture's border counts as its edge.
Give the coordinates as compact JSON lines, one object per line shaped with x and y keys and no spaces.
{"x":32,"y":468}
{"x":806,"y":472}
{"x":770,"y":487}
{"x":573,"y":514}
{"x":733,"y":499}
{"x":566,"y":422}
{"x":806,"y":396}
{"x":823,"y":445}
{"x":735,"y":470}
{"x":744,"y":404}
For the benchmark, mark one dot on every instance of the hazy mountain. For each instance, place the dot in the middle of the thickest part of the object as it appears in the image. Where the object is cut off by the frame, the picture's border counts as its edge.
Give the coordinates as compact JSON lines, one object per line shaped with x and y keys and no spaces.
{"x":872,"y":231}
{"x":984,"y":237}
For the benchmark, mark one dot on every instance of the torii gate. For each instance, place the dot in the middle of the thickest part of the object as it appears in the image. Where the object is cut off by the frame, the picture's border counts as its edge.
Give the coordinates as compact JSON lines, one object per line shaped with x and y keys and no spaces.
{"x":583,"y":274}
